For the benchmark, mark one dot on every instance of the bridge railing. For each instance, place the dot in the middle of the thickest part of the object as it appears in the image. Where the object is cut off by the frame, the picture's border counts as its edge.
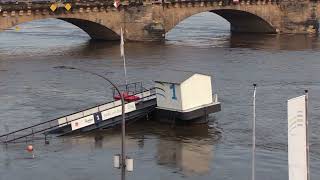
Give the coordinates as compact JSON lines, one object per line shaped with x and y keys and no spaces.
{"x":223,"y":2}
{"x":110,"y":2}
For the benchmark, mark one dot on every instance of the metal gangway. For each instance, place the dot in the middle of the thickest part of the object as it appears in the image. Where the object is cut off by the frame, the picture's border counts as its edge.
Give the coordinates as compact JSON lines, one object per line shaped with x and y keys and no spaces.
{"x":65,"y":125}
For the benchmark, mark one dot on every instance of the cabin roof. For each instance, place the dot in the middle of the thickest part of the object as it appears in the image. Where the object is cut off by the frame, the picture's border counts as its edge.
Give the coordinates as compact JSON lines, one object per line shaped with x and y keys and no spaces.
{"x":176,"y":77}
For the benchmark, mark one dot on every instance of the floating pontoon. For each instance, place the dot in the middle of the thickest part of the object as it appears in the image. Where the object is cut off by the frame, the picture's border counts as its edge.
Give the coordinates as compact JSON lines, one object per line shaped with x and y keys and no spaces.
{"x":183,"y":96}
{"x":139,"y":103}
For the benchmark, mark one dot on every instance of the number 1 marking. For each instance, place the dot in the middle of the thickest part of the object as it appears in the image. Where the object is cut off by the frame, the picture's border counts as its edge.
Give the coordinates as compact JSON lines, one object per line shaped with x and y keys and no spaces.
{"x":173,"y":87}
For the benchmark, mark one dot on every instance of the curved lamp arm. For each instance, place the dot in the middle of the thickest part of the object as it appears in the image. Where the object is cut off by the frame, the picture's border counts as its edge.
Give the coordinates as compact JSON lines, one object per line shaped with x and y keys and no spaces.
{"x":123,"y":151}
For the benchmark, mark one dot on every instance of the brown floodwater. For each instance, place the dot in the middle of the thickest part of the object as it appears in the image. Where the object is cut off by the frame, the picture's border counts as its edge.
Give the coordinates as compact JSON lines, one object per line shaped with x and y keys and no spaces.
{"x":32,"y":91}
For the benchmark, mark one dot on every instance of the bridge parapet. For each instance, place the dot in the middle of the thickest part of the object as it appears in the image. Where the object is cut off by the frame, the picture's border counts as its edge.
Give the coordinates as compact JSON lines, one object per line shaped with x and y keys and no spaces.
{"x":46,"y":5}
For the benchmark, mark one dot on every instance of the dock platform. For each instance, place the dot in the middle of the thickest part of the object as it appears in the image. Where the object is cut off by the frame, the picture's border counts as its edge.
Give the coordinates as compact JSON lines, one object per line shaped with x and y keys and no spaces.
{"x":99,"y":117}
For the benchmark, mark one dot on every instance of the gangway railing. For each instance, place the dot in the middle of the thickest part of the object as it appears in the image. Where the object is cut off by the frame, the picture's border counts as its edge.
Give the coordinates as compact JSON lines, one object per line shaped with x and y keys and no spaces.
{"x":46,"y":126}
{"x":130,"y":89}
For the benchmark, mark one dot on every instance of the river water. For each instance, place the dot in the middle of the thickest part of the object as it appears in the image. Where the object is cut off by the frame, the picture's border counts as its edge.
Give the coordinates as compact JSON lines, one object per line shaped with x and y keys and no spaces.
{"x":32,"y":91}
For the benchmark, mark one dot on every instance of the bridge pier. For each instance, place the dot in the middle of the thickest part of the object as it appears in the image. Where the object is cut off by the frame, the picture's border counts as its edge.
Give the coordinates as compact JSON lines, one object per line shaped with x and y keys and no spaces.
{"x":151,"y":21}
{"x":299,"y":17}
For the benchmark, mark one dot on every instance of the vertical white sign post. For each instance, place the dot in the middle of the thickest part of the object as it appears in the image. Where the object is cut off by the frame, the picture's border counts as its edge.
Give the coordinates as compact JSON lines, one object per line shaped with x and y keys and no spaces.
{"x":298,"y":138}
{"x":253,"y":176}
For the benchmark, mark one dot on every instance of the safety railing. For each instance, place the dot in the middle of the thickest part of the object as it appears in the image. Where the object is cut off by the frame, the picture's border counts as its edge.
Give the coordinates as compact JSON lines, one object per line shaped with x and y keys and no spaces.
{"x":28,"y":133}
{"x":127,"y":2}
{"x":131,"y":88}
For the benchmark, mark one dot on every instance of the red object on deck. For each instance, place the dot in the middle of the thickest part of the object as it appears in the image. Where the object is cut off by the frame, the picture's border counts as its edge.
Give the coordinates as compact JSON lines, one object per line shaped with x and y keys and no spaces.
{"x":127,"y":97}
{"x":29,"y":148}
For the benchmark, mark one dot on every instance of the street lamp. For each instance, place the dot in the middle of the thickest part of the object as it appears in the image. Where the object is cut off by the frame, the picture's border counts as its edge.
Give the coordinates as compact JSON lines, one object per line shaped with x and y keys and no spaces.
{"x":123,"y":129}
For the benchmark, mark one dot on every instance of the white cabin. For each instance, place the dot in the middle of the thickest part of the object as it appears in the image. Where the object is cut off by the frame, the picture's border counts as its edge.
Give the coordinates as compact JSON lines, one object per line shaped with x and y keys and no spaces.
{"x":183,"y":91}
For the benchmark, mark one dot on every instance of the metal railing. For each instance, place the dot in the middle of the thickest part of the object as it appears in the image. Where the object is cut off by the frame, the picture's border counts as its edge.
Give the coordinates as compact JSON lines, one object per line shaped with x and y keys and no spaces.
{"x":45,"y":126}
{"x":131,"y":88}
{"x":127,"y":2}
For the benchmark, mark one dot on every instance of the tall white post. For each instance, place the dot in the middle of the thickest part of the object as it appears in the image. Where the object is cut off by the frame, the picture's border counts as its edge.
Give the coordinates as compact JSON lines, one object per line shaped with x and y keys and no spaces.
{"x":307,"y":134}
{"x":254,"y":131}
{"x":123,"y":55}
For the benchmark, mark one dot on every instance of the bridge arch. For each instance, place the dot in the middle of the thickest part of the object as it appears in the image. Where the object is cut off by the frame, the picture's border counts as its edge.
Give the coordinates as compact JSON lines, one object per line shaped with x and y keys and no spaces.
{"x":241,"y":21}
{"x":95,"y":30}
{"x":95,"y":24}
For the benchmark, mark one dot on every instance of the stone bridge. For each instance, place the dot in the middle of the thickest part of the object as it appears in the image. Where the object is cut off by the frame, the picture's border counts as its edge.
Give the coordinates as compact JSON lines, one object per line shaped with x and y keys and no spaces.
{"x":151,"y":20}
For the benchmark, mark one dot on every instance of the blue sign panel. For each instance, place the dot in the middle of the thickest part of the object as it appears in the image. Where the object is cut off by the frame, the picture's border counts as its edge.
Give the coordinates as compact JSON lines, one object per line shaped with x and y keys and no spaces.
{"x":97,"y":117}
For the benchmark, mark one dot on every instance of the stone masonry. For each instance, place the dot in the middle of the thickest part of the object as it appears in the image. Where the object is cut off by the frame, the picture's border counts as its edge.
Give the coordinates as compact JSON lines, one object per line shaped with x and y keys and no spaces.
{"x":150,"y":21}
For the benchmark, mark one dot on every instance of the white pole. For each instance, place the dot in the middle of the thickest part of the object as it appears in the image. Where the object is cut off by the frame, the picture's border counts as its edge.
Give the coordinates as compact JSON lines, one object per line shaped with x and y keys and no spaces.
{"x":307,"y":134}
{"x":125,"y":69}
{"x":123,"y":56}
{"x":254,"y":131}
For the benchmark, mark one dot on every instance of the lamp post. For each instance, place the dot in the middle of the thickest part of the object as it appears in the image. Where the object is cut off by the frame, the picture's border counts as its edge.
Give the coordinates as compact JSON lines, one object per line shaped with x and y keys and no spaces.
{"x":123,"y":128}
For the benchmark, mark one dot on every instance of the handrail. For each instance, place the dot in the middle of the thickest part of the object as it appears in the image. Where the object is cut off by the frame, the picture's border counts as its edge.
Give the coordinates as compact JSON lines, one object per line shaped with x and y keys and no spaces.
{"x":51,"y":127}
{"x":59,"y":118}
{"x":67,"y":122}
{"x":131,"y":87}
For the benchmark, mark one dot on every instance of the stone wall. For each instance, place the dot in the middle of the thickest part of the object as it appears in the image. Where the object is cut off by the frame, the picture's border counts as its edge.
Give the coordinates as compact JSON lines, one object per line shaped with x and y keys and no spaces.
{"x":150,"y":22}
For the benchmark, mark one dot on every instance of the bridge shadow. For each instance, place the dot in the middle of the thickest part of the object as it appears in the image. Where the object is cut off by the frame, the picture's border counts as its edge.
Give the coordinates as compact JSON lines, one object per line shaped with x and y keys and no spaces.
{"x":137,"y":50}
{"x":209,"y":30}
{"x":96,"y":48}
{"x":288,"y":42}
